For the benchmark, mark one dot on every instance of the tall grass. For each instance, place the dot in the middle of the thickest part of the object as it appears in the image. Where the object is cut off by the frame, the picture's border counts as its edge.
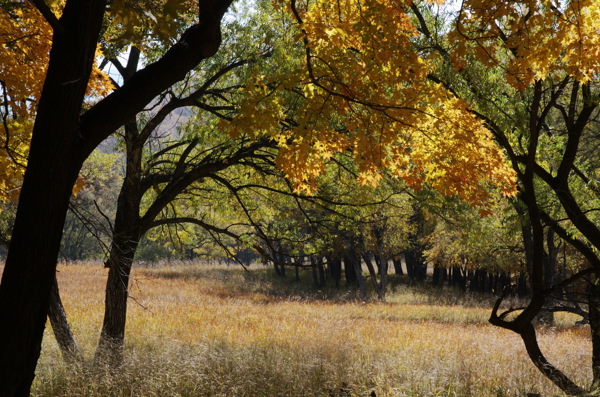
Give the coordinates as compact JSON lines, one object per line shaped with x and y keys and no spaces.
{"x":220,"y":331}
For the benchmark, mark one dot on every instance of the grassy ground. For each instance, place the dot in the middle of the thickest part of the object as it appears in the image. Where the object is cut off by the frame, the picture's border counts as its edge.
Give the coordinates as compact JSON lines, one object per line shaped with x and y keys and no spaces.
{"x":220,"y":331}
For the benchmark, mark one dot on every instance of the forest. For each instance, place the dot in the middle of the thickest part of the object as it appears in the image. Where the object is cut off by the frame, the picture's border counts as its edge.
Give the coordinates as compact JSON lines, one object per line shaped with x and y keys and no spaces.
{"x":299,"y":197}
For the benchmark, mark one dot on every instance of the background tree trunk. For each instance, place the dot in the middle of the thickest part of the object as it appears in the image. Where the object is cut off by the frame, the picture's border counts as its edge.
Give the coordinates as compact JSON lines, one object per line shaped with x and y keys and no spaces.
{"x":398,"y":266}
{"x":60,"y":326}
{"x":112,"y":337}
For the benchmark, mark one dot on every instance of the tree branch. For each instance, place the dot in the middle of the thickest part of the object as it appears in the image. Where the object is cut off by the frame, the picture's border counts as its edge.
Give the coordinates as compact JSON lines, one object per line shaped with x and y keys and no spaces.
{"x":47,"y":13}
{"x":199,"y":42}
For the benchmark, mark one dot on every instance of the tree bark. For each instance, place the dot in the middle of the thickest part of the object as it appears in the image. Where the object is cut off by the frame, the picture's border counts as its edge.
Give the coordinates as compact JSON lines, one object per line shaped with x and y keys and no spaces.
{"x":335,"y":267}
{"x":398,"y":266}
{"x":51,"y":172}
{"x":594,"y":319}
{"x":112,"y":337}
{"x":125,"y":240}
{"x":349,"y":271}
{"x":60,"y":326}
{"x":551,"y":372}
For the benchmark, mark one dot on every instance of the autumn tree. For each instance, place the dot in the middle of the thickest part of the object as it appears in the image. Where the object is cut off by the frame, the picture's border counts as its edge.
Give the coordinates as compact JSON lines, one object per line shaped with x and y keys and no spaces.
{"x":63,"y":136}
{"x":529,"y":72}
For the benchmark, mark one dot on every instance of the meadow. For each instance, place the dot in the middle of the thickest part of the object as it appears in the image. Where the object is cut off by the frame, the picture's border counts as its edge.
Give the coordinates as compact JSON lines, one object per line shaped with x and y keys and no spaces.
{"x":207,"y":330}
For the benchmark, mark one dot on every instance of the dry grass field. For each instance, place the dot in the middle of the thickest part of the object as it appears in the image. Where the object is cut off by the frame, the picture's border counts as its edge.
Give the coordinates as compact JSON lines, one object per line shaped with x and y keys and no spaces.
{"x":200,"y":330}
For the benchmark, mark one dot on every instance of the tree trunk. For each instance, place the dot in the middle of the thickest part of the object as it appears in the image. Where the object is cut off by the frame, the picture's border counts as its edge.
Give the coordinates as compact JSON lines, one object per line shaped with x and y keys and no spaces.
{"x":415,"y":264}
{"x":522,"y":287}
{"x":315,"y":277}
{"x":353,"y":261}
{"x":551,"y":372}
{"x":350,"y":271}
{"x":398,"y":266}
{"x":335,"y":267}
{"x":594,"y":319}
{"x":52,"y":169}
{"x":60,"y":326}
{"x":112,"y":337}
{"x":383,"y":273}
{"x":379,"y":288}
{"x":62,"y":139}
{"x":125,"y":240}
{"x":546,"y":317}
{"x":322,"y":276}
{"x":437,"y":275}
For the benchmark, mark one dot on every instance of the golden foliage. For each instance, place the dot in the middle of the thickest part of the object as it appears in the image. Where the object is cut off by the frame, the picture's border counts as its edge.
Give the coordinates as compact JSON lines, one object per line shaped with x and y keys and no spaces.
{"x":25,"y":42}
{"x":531,"y":39}
{"x":364,"y":89}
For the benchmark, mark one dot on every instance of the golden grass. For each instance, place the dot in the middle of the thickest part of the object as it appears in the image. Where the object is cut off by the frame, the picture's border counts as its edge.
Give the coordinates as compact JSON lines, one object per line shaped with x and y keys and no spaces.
{"x":218,"y":331}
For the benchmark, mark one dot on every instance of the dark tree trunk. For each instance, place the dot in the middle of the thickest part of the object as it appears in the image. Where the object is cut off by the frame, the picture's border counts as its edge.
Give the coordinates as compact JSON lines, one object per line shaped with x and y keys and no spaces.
{"x":297,"y":269}
{"x":379,"y":287}
{"x":125,"y":240}
{"x":594,"y":319}
{"x":315,"y":276}
{"x":522,"y":287}
{"x":112,"y":337}
{"x":62,"y":139}
{"x":470,"y":280}
{"x":416,"y":267}
{"x":361,"y":280}
{"x":383,"y":273}
{"x":527,"y":235}
{"x":439,"y":275}
{"x":503,"y":281}
{"x":350,"y":271}
{"x":479,"y":282}
{"x":278,"y":265}
{"x":322,"y":275}
{"x":353,"y":261}
{"x":335,"y":267}
{"x":458,"y":278}
{"x":491,"y":282}
{"x":398,"y":266}
{"x":52,"y":169}
{"x":415,"y":264}
{"x":60,"y":326}
{"x":551,"y":372}
{"x":546,"y":317}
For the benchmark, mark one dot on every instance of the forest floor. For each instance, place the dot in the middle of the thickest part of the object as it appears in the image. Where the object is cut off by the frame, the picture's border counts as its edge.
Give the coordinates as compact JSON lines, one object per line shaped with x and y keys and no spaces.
{"x":203,"y":330}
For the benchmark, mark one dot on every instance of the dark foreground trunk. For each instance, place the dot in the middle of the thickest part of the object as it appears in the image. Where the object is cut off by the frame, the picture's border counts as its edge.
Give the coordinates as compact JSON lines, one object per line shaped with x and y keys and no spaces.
{"x":550,"y":371}
{"x":594,"y":319}
{"x":62,"y":139}
{"x":52,"y":169}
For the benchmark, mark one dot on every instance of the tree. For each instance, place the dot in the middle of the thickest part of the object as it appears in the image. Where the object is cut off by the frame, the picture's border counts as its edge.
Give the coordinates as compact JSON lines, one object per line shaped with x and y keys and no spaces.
{"x":64,"y":134}
{"x":529,"y":72}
